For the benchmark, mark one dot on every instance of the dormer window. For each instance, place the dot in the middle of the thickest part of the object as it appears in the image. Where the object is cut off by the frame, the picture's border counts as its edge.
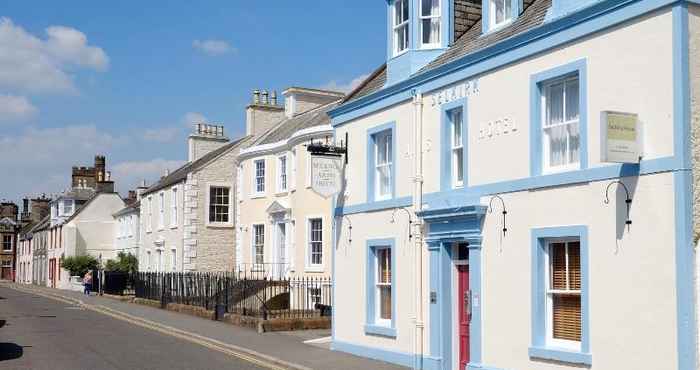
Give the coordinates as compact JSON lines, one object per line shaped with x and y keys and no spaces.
{"x":501,"y":12}
{"x":401,"y":32}
{"x":430,"y":23}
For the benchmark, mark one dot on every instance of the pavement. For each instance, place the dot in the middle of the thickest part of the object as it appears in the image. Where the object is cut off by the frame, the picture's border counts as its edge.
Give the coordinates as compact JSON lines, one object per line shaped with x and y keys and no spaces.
{"x":283,"y":350}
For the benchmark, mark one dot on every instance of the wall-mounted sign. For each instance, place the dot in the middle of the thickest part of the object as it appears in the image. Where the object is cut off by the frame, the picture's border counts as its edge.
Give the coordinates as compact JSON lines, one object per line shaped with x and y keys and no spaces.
{"x":621,"y":137}
{"x":488,"y":130}
{"x":459,"y":91}
{"x":326,"y":175}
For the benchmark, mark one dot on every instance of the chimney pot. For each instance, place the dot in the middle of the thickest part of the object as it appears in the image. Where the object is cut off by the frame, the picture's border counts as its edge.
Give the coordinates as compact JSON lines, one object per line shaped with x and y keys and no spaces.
{"x":256,"y":96}
{"x":264,"y":97}
{"x":273,"y":98}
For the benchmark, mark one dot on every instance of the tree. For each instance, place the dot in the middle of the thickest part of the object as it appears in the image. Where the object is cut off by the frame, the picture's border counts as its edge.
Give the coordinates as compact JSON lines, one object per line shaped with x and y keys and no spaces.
{"x":125,"y":262}
{"x":79,"y":265}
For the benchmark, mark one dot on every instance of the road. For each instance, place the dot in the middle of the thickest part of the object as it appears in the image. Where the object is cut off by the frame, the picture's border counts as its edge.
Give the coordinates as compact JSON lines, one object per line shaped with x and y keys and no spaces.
{"x":41,"y":333}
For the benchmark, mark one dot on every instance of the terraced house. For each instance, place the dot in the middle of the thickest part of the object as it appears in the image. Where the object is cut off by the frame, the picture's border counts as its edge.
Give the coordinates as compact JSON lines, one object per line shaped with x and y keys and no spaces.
{"x":284,"y":227}
{"x":519,"y":188}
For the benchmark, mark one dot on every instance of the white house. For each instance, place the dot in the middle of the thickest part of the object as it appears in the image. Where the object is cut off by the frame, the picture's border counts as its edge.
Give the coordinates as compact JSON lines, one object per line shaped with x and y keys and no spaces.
{"x":494,"y":134}
{"x":284,"y":227}
{"x":127,"y":232}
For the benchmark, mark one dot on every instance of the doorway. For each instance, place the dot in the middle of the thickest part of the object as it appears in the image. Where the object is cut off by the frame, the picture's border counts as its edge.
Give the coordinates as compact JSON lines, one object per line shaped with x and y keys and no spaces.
{"x":462,"y":304}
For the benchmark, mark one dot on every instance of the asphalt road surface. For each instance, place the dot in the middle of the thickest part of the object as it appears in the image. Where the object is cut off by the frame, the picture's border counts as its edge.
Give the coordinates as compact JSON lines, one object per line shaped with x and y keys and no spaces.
{"x":41,"y":333}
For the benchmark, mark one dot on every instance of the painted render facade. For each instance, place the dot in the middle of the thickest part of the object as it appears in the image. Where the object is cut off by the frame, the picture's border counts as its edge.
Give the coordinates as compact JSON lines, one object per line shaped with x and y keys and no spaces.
{"x":284,"y":227}
{"x":398,"y":294}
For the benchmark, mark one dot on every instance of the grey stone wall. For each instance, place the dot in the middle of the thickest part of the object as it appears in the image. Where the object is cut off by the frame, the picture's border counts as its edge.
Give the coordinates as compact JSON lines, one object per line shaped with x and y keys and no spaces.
{"x":206,"y":247}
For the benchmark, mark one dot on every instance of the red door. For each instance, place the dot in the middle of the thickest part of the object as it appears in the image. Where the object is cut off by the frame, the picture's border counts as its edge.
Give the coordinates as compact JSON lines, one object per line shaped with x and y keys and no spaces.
{"x":464,"y":309}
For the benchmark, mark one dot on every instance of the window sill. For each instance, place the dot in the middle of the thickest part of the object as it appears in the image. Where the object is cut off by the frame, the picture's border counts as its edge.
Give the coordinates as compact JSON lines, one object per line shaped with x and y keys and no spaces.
{"x":282,"y":193}
{"x":383,"y":331}
{"x":216,"y":225}
{"x":313,"y":268}
{"x":173,"y":226}
{"x":257,"y":196}
{"x":560,"y":354}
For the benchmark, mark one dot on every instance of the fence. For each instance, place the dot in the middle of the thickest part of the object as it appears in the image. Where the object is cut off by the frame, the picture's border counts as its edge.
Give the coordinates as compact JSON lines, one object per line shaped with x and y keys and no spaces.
{"x":239,"y":293}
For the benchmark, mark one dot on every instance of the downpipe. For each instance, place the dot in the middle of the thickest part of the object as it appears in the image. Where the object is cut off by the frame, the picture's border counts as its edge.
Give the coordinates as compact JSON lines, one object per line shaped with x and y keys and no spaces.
{"x":418,"y":226}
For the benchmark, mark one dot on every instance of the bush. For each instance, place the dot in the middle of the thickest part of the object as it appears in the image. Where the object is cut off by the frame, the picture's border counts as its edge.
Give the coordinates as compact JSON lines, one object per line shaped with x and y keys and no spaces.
{"x":79,"y":265}
{"x":125,"y":262}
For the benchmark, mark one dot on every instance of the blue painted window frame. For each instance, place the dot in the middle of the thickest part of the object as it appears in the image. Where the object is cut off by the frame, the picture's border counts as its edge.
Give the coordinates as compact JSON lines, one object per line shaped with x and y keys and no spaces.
{"x":371,"y":160}
{"x":371,"y":327}
{"x":537,"y":82}
{"x":538,"y":348}
{"x":446,"y":164}
{"x":516,"y":7}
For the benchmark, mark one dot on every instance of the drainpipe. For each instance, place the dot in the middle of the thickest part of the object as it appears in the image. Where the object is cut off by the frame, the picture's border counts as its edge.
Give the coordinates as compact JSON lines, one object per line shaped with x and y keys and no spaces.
{"x":417,"y":232}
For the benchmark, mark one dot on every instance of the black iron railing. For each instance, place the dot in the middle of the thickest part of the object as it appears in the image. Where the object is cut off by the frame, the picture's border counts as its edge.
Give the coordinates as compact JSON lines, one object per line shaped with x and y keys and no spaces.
{"x":239,"y":293}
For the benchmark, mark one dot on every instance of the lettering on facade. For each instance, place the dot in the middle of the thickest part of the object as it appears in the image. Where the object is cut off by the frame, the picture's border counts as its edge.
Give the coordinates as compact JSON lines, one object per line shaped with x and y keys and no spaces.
{"x":459,"y":91}
{"x":621,"y":137}
{"x":326,"y":175}
{"x":489,"y":130}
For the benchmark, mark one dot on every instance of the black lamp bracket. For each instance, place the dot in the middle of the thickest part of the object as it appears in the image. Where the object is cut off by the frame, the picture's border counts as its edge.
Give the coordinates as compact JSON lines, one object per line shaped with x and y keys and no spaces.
{"x":410,"y":220}
{"x":628,"y":200}
{"x":505,"y":212}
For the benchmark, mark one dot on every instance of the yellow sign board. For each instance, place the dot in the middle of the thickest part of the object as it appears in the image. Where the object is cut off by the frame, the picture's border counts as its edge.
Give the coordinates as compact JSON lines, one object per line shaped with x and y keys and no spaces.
{"x":621,"y":137}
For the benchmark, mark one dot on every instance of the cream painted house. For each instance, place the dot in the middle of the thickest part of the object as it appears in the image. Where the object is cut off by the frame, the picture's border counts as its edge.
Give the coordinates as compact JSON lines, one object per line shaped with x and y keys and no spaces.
{"x":284,"y":227}
{"x":499,"y":105}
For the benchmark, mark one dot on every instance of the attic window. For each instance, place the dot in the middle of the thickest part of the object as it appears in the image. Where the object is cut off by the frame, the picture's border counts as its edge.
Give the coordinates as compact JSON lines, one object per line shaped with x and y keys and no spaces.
{"x":501,"y":12}
{"x":401,"y":34}
{"x":430,"y":23}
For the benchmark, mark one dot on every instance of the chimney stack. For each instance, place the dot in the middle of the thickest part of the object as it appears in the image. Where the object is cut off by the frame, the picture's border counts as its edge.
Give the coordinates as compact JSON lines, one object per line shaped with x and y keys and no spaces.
{"x":205,"y":139}
{"x":263,"y":113}
{"x":140,"y":189}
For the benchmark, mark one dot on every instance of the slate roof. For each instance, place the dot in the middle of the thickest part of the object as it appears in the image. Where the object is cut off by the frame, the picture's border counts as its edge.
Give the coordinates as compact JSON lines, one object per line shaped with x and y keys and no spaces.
{"x":77,"y":194}
{"x":135,"y":206}
{"x":471,"y":42}
{"x":180,"y":174}
{"x":286,"y":128}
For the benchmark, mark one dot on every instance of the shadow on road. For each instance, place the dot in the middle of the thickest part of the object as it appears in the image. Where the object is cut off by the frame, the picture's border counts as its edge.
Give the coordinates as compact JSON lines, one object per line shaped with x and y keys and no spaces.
{"x":10,"y":351}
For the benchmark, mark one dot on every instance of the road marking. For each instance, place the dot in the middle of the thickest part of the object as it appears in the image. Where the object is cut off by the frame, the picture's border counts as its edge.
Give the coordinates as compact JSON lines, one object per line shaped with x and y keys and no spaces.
{"x":229,"y":349}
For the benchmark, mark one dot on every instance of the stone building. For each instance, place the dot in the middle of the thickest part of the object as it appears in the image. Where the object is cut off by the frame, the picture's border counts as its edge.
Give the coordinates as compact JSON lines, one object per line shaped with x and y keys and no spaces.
{"x":9,"y":226}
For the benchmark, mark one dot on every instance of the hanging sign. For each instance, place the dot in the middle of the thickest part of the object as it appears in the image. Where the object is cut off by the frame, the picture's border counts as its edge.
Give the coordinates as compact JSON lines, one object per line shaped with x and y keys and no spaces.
{"x":326,"y":174}
{"x":621,"y":135}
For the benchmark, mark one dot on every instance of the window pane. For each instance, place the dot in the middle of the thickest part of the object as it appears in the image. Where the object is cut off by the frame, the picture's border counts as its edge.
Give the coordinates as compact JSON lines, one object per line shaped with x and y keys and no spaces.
{"x":404,"y":10}
{"x":459,"y":164}
{"x":499,"y":11}
{"x":385,"y":302}
{"x":575,"y":266}
{"x":572,"y":101}
{"x":566,"y":317}
{"x":557,"y":257}
{"x":384,"y":264}
{"x":430,"y":7}
{"x":555,"y":104}
{"x":457,"y":128}
{"x":431,"y":30}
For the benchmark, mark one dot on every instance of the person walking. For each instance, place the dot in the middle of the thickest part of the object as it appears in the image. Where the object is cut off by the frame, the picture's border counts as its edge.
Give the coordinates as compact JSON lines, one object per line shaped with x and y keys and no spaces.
{"x":87,"y":282}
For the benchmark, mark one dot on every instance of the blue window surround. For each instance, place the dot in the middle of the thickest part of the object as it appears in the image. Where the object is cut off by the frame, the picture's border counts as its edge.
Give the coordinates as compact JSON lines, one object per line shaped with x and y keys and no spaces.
{"x":373,"y":245}
{"x":446,"y":165}
{"x":516,"y":7}
{"x":371,"y":160}
{"x":551,"y":35}
{"x":538,"y":348}
{"x":536,"y":83}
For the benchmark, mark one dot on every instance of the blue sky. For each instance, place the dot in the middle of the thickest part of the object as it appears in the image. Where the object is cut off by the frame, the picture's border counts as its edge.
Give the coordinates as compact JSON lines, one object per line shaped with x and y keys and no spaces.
{"x":124,"y":78}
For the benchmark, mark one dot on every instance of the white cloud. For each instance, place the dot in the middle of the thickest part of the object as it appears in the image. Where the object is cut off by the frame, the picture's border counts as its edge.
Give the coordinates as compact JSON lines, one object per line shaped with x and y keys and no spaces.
{"x":213,"y":47}
{"x":128,"y":175}
{"x":31,"y":64}
{"x":16,"y":108}
{"x":347,"y":87}
{"x":192,"y":118}
{"x":163,"y":134}
{"x":39,"y":160}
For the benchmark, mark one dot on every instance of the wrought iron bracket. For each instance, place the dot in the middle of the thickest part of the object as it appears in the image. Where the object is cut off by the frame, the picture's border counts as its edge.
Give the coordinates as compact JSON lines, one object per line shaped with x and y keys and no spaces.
{"x":329,"y":150}
{"x":345,"y":217}
{"x":628,"y":200}
{"x":410,"y":220}
{"x":504,"y":213}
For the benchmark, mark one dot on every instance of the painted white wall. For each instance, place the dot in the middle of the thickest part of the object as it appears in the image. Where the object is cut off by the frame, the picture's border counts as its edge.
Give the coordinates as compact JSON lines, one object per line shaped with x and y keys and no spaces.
{"x":632,"y":274}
